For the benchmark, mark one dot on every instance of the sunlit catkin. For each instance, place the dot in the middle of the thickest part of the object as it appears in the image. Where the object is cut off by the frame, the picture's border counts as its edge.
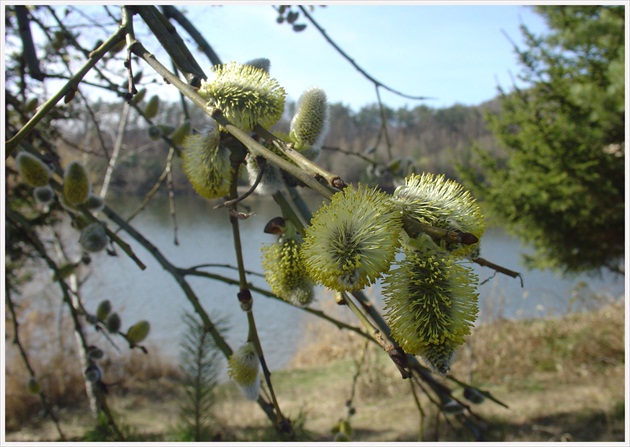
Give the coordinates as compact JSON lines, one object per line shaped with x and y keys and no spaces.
{"x":430,"y":303}
{"x":243,"y":366}
{"x":246,"y":95}
{"x":76,"y":184}
{"x":309,"y":125}
{"x":284,"y":269}
{"x":32,"y":170}
{"x":207,"y":164}
{"x":439,"y":202}
{"x":351,"y":240}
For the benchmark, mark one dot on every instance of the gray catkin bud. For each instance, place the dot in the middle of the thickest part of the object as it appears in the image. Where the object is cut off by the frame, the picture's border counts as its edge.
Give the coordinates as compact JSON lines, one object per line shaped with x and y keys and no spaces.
{"x":262,"y":62}
{"x":93,"y":237}
{"x":94,"y":203}
{"x":44,"y":194}
{"x":113,"y":323}
{"x":271,"y":180}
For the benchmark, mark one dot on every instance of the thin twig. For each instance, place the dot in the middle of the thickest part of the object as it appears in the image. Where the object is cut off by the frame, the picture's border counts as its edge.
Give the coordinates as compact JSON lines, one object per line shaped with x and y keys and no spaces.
{"x":16,"y":341}
{"x":124,"y":118}
{"x":485,"y":263}
{"x":352,"y":62}
{"x":95,"y":56}
{"x":171,"y":194}
{"x":19,"y":221}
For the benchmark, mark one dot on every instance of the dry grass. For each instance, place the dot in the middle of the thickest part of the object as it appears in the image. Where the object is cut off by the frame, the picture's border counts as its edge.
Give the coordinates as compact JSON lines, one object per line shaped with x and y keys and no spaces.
{"x":562,"y":378}
{"x":570,"y":349}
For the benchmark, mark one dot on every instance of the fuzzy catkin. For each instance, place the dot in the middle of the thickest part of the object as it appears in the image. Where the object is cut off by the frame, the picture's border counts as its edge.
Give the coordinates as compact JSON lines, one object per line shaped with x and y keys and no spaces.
{"x":207,"y":164}
{"x":352,"y":240}
{"x":309,"y":126}
{"x":32,"y":170}
{"x":76,"y":184}
{"x":246,"y":95}
{"x":430,"y":303}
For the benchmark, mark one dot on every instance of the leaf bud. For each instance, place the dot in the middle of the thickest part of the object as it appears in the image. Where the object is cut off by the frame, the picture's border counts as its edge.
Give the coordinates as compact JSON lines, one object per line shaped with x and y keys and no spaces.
{"x":179,"y":134}
{"x":94,"y":353}
{"x":94,"y":203}
{"x":93,"y":373}
{"x":138,"y":97}
{"x":113,"y":323}
{"x":474,"y":395}
{"x":138,"y":332}
{"x":152,"y":107}
{"x":154,"y":133}
{"x":103,"y":310}
{"x":33,"y":386}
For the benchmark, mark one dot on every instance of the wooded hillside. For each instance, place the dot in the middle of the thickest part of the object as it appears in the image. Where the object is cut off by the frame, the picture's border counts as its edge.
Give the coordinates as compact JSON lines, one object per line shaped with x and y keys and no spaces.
{"x":421,"y":139}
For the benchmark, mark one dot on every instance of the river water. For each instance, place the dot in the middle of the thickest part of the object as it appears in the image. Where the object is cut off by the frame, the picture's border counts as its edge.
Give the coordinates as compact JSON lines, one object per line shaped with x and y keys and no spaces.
{"x":205,"y":238}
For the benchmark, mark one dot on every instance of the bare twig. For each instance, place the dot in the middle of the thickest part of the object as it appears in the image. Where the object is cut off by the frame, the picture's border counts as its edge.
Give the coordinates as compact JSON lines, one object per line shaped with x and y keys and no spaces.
{"x":16,"y":341}
{"x":353,"y":63}
{"x":95,"y":56}
{"x":124,"y":116}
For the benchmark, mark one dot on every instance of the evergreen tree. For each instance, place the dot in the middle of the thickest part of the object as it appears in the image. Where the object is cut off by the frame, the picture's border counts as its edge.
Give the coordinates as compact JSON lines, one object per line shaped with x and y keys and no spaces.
{"x":200,"y":367}
{"x":560,"y":186}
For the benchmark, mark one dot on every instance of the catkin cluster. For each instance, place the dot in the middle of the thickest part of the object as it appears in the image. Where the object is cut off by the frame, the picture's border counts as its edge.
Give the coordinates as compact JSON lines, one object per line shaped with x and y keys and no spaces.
{"x":429,"y":288}
{"x":361,"y":236}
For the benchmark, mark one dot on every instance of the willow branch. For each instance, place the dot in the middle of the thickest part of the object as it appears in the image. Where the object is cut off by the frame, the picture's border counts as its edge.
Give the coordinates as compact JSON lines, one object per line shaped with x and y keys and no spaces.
{"x":19,"y":221}
{"x":171,"y":41}
{"x":384,"y":131}
{"x":333,"y":180}
{"x":28,"y":47}
{"x":116,"y":151}
{"x":485,"y":263}
{"x":74,"y":81}
{"x":253,"y":146}
{"x":171,"y":11}
{"x":381,"y":337}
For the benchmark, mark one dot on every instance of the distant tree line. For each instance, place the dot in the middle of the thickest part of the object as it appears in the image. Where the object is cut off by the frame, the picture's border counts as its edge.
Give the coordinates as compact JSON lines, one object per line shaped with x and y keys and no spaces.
{"x":423,"y":138}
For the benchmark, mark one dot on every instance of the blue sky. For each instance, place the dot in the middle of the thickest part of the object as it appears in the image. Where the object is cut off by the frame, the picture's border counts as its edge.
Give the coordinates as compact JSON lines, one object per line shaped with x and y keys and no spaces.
{"x":455,"y":53}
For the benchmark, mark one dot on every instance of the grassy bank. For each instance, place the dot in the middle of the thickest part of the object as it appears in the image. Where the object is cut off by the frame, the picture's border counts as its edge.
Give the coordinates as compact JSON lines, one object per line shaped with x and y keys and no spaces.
{"x":563,"y":379}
